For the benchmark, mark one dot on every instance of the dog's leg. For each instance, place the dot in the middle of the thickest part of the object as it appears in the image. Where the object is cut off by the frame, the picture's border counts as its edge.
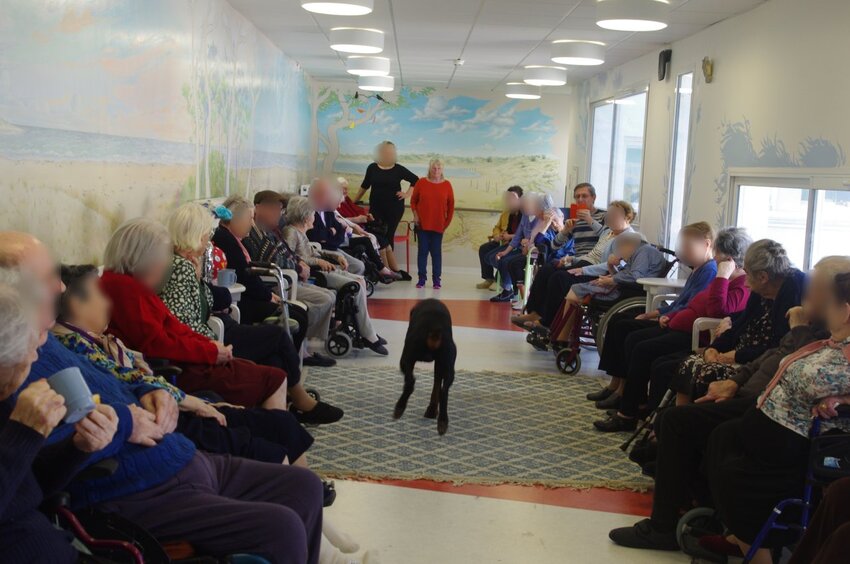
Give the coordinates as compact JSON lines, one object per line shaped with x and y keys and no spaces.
{"x":443,"y":417}
{"x":431,"y":412}
{"x":401,"y":404}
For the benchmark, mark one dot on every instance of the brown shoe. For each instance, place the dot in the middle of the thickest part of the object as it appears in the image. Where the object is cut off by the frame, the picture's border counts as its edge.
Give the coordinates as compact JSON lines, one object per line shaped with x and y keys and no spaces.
{"x":485,"y":285}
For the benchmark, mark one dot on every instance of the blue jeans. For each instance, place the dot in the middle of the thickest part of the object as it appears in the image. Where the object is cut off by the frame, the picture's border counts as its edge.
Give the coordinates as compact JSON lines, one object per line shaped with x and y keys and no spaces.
{"x":503,"y":265}
{"x":430,"y":243}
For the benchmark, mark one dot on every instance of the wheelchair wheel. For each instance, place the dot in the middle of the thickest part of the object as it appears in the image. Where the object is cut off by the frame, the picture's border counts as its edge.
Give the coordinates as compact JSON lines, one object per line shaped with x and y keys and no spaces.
{"x":338,"y":344}
{"x":695,"y":524}
{"x":566,"y":364}
{"x":370,"y":288}
{"x":313,"y":393}
{"x":629,"y":304}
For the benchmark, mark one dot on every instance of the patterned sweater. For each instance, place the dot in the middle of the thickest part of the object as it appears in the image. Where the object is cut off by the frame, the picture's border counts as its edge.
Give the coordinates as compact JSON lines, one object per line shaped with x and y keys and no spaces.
{"x":187,"y":297}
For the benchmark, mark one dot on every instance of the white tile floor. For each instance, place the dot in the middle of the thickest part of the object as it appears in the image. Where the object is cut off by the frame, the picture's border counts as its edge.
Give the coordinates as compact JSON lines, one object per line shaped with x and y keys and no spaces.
{"x":413,"y":526}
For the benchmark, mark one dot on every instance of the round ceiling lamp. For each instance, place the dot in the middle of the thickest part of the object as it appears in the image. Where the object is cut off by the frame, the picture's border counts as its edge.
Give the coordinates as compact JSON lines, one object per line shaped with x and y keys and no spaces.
{"x":522,"y":91}
{"x":579,"y":53}
{"x":360,"y":65}
{"x":376,"y":83}
{"x":360,"y":41}
{"x":632,"y":15}
{"x":540,"y":75}
{"x":342,"y":8}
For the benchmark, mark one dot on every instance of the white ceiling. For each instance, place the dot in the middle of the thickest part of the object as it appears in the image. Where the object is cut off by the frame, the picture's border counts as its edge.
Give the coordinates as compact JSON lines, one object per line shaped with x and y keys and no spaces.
{"x":496,"y":38}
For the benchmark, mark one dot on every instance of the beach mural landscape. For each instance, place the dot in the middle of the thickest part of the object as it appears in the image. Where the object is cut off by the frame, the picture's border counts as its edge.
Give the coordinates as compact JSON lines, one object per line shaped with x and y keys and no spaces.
{"x":110,"y":110}
{"x":486,"y":142}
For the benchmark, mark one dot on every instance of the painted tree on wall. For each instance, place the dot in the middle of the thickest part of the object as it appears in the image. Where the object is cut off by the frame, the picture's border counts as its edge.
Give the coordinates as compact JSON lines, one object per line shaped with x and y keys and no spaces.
{"x":352,"y":111}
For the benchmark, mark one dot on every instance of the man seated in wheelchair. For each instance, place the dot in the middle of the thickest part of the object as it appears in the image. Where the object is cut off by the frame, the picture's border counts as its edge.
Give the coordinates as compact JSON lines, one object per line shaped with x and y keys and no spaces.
{"x":633,"y":258}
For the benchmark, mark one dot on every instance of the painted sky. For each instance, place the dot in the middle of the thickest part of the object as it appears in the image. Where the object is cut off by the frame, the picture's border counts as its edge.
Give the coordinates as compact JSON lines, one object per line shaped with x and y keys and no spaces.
{"x":461,"y":125}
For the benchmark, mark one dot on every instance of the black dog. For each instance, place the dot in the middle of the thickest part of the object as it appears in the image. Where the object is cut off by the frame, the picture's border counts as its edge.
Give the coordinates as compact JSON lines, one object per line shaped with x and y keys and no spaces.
{"x":429,"y":339}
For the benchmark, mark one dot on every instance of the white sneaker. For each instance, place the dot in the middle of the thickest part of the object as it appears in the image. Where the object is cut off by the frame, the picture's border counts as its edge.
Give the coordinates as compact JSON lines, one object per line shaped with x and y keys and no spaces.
{"x":516,"y":305}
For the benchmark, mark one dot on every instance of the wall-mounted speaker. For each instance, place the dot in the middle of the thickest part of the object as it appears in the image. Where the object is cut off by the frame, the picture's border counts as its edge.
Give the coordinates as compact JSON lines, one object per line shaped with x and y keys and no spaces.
{"x":664,"y":62}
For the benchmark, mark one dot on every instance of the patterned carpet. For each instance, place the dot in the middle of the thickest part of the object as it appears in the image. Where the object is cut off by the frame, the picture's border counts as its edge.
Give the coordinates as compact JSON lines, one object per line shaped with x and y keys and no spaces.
{"x":504,"y":428}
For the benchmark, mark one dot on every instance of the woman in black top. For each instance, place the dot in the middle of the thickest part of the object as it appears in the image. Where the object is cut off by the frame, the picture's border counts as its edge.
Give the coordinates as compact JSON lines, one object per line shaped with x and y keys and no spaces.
{"x":386,"y":201}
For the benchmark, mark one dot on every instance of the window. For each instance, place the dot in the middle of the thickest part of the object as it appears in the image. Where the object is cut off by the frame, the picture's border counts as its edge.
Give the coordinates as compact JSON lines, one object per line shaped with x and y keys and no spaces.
{"x":616,"y":151}
{"x":807,"y":216}
{"x":678,"y":166}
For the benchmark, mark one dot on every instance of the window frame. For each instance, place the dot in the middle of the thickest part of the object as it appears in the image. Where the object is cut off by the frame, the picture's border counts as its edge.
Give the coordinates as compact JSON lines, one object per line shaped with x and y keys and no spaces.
{"x":808,"y":179}
{"x":674,"y":146}
{"x":641,"y":88}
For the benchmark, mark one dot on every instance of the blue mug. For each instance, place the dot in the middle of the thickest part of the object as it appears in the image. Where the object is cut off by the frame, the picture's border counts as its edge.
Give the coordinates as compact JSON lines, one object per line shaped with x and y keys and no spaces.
{"x":226,"y":277}
{"x":69,"y":384}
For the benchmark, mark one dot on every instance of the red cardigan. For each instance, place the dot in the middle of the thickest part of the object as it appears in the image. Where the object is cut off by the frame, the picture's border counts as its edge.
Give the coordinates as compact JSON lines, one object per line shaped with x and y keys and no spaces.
{"x":347,"y":208}
{"x":434,"y":203}
{"x":721,"y":298}
{"x":141,"y":320}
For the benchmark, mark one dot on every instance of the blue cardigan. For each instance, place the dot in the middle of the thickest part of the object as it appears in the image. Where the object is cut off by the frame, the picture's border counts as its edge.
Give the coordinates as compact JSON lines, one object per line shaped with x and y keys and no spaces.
{"x":790,"y":295}
{"x":139,"y":467}
{"x":696,"y":283}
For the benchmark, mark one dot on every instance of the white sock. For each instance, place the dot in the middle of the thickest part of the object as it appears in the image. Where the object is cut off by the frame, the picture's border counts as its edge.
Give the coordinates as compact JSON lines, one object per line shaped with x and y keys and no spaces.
{"x":343,"y":541}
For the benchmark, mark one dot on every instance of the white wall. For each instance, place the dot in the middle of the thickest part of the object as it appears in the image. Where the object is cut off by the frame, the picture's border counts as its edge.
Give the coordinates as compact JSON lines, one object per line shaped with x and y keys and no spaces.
{"x":779,"y":99}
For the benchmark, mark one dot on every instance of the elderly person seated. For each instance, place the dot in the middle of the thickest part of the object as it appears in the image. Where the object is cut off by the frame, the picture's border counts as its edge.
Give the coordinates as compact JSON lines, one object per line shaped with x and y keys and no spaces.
{"x":503,"y":232}
{"x":266,"y":435}
{"x":633,"y":258}
{"x":135,"y":264}
{"x":683,"y":432}
{"x":511,"y":260}
{"x":668,"y":338}
{"x":775,"y":288}
{"x":299,"y":219}
{"x":265,"y":244}
{"x":29,"y":470}
{"x":190,"y":300}
{"x":219,"y":504}
{"x":583,"y":230}
{"x":327,"y":229}
{"x":553,"y":281}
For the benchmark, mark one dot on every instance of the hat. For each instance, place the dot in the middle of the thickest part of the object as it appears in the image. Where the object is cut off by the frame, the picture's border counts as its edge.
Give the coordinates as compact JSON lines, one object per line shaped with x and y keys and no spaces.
{"x":268,"y":197}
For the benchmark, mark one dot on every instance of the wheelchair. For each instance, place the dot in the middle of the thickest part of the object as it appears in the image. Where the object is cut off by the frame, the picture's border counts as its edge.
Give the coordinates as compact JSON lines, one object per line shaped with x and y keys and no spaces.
{"x":825,"y":450}
{"x":591,"y":322}
{"x":344,"y":334}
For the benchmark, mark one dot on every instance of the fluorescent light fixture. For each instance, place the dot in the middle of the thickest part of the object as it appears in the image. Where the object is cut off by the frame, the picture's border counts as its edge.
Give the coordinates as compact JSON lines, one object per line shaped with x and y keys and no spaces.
{"x":346,"y":8}
{"x":632,"y":15}
{"x":376,"y":83}
{"x":360,"y":65}
{"x":579,"y":53}
{"x":357,"y":40}
{"x":540,"y":75}
{"x":522,"y":91}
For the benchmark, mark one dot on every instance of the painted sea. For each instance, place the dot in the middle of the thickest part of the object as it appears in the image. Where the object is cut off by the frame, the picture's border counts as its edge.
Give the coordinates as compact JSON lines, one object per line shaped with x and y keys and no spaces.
{"x":41,"y":144}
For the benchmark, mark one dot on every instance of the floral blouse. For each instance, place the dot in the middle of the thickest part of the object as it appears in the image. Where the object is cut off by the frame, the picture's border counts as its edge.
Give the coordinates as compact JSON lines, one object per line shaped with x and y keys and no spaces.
{"x":128,"y":370}
{"x":187,"y":297}
{"x":823,"y":373}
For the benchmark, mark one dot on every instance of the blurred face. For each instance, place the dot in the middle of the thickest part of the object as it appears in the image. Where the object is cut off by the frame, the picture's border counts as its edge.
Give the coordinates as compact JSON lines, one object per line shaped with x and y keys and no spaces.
{"x":837,"y":314}
{"x":436,"y":170}
{"x":616,"y":218}
{"x":39,"y":263}
{"x":529,"y":207}
{"x":757,"y":282}
{"x":91,"y":309}
{"x":319,"y":193}
{"x":626,"y":249}
{"x":511,"y":201}
{"x":311,"y":219}
{"x":817,"y":299}
{"x":153,"y":276}
{"x":387,"y":155}
{"x":268,"y":214}
{"x":240,"y":225}
{"x":583,"y":197}
{"x":693,"y":250}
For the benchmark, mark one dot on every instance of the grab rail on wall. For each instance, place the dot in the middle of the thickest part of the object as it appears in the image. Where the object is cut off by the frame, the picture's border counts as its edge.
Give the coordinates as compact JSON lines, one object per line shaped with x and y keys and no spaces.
{"x":457,"y":209}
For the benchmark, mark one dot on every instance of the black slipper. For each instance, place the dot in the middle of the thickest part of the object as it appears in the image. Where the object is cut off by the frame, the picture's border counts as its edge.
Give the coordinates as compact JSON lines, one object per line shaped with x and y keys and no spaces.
{"x":600,"y":395}
{"x":329,"y":490}
{"x":405,"y":276}
{"x":321,"y":414}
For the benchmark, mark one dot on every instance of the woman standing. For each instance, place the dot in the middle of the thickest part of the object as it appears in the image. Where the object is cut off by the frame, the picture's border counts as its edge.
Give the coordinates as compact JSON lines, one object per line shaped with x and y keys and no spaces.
{"x":433,"y":205}
{"x":386,"y":202}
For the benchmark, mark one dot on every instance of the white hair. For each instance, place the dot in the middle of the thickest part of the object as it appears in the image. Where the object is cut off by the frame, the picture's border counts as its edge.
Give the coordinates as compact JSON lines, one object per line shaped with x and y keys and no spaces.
{"x":188,"y":225}
{"x":299,"y":211}
{"x":18,"y":310}
{"x":136,"y":245}
{"x":237,"y":206}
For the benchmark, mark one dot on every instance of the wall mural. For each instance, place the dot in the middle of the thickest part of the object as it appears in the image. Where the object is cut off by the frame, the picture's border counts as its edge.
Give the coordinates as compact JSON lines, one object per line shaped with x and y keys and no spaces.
{"x":486,"y":145}
{"x":110,"y":110}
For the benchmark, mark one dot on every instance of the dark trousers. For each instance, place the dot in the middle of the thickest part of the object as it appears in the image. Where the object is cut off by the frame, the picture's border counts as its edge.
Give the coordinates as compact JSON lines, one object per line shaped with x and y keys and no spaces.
{"x":827,"y":539}
{"x":539,"y":289}
{"x":430,"y":243}
{"x":265,"y":435}
{"x":683,"y":434}
{"x":613,"y":359}
{"x":642,"y":348}
{"x":502,"y":265}
{"x":268,"y":345}
{"x":485,"y":257}
{"x":223,"y":505}
{"x":389,"y":213}
{"x":664,"y":369}
{"x":557,"y":288}
{"x":358,"y":246}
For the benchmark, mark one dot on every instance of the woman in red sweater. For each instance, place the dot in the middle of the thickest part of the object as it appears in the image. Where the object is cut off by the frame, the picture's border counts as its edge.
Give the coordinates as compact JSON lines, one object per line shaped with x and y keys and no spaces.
{"x":433,"y":205}
{"x":135,"y":263}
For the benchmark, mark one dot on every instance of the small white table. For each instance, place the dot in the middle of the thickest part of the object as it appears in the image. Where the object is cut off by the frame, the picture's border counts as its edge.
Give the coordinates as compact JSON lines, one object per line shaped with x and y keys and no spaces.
{"x":236,"y":291}
{"x":657,"y":286}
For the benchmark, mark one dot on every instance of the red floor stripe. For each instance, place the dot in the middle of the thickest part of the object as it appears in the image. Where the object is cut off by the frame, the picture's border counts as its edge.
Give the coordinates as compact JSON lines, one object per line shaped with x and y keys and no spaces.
{"x":481,"y":314}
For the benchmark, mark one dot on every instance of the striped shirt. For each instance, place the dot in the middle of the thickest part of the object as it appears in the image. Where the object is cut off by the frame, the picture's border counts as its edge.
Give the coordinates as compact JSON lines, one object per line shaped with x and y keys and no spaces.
{"x":583,"y":235}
